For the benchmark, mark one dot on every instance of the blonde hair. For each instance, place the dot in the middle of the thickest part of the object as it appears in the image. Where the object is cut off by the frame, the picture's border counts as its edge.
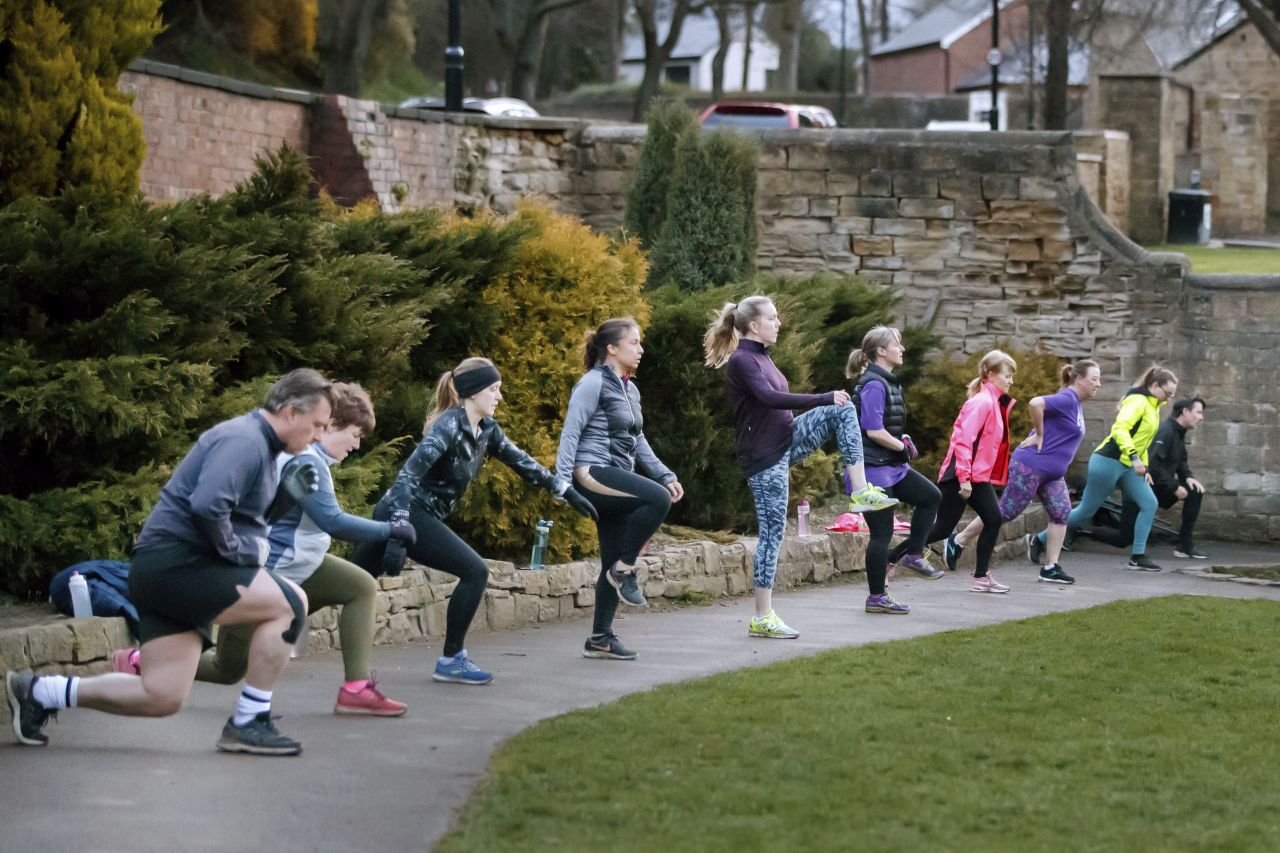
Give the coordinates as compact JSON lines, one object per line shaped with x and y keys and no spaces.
{"x":1072,"y":372}
{"x":728,"y":324}
{"x":447,"y":393}
{"x":991,"y":362}
{"x":876,"y":337}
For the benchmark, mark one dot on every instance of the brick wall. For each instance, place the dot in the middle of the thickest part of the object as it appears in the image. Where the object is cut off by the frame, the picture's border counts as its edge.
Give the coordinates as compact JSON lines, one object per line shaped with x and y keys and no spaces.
{"x":202,"y":132}
{"x":919,"y":71}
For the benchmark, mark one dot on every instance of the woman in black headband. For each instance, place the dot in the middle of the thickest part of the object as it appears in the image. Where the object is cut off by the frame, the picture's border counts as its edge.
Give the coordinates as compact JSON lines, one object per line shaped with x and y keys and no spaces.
{"x":458,"y":435}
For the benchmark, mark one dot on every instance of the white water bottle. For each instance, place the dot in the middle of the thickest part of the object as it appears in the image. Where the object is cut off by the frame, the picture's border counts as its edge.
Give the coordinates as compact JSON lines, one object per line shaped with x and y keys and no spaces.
{"x":802,"y":518}
{"x":80,"y":604}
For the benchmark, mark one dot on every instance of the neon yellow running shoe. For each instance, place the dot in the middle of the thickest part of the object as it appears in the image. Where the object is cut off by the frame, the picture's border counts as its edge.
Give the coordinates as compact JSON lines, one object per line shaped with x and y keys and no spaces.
{"x":771,"y":627}
{"x":870,"y":499}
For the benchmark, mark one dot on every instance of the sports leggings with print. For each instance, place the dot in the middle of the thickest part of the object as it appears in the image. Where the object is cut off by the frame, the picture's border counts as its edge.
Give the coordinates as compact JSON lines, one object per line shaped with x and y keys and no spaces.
{"x":771,"y":487}
{"x":631,"y":509}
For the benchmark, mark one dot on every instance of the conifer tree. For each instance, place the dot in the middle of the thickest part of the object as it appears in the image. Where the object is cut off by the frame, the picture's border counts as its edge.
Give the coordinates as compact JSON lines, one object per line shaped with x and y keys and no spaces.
{"x":668,"y":121}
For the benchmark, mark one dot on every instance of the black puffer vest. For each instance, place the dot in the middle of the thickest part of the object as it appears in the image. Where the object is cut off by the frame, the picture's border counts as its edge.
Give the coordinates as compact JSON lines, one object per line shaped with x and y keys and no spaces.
{"x":895,"y":415}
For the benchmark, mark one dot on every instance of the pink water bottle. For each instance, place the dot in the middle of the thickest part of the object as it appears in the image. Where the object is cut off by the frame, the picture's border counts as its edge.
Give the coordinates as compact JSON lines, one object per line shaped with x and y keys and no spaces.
{"x":802,"y":518}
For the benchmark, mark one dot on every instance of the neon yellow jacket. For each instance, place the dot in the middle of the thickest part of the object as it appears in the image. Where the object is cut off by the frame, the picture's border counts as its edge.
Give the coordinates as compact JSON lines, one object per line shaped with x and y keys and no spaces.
{"x":1134,"y":428}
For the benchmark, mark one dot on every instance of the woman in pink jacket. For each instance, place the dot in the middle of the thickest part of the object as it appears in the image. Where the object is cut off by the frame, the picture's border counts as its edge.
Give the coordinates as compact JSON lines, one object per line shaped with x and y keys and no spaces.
{"x":978,"y":461}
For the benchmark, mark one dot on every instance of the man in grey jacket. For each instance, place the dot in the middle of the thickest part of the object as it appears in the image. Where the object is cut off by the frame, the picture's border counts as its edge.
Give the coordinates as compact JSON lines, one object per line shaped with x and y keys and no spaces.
{"x":199,"y":562}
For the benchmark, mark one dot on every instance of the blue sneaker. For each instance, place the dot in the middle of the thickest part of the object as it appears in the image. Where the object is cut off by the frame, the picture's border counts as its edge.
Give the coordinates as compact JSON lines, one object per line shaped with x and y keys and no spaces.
{"x":460,"y":669}
{"x":951,"y":551}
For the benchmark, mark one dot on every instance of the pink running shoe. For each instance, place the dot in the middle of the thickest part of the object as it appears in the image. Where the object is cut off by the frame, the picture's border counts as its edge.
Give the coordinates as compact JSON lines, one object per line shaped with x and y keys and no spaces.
{"x":368,"y":702}
{"x":988,"y":583}
{"x":127,"y":661}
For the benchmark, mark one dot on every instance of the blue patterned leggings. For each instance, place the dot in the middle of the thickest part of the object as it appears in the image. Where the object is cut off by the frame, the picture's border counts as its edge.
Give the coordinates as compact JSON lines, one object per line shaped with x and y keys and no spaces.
{"x":771,"y":487}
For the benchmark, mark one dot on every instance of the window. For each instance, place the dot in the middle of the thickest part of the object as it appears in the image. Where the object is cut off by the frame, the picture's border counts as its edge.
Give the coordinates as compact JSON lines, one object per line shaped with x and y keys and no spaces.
{"x":678,"y":74}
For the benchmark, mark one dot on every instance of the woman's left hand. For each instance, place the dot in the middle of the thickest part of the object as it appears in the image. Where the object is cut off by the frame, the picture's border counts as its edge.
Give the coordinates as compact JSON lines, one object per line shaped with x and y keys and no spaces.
{"x":676,"y":490}
{"x":841,"y":398}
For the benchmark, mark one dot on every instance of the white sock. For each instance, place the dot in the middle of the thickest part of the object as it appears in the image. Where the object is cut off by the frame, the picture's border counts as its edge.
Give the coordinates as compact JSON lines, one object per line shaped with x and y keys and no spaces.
{"x":251,"y":703}
{"x":55,"y":692}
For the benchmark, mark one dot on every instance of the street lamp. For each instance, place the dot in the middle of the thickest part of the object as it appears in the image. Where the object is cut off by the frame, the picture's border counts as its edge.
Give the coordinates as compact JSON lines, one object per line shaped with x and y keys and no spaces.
{"x":844,"y":56}
{"x":994,"y":57}
{"x":453,"y":60}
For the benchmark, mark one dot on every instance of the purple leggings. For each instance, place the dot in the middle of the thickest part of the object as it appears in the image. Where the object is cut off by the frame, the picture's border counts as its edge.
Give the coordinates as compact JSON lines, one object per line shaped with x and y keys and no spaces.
{"x":1024,"y":484}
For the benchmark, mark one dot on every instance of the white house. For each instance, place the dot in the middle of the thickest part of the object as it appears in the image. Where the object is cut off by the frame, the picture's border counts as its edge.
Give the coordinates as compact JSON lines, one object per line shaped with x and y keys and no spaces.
{"x":690,"y":61}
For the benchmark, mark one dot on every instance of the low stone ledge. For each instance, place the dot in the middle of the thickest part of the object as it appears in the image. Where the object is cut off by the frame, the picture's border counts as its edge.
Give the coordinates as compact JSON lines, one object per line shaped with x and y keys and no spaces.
{"x":413,"y":606}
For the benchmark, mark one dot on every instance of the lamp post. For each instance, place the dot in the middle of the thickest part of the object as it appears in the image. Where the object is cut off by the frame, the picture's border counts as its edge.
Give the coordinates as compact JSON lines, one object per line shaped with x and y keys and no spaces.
{"x":844,"y":56}
{"x":453,"y":60}
{"x":994,"y":58}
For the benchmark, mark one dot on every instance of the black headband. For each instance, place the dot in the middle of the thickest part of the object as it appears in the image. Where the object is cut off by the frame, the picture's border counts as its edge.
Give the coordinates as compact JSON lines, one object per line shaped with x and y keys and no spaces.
{"x":476,"y":380}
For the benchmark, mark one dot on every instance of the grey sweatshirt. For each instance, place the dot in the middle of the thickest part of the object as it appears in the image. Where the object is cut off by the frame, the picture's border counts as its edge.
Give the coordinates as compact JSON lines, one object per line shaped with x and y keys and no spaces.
{"x":604,"y":426}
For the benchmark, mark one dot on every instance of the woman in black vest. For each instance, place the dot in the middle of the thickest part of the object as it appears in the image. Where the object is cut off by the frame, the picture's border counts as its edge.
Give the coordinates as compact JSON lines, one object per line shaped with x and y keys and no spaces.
{"x":888,"y":451}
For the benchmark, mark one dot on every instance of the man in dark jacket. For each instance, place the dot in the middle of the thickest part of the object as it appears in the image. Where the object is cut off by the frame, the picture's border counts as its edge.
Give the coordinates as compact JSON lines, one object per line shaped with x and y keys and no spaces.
{"x":1170,"y":478}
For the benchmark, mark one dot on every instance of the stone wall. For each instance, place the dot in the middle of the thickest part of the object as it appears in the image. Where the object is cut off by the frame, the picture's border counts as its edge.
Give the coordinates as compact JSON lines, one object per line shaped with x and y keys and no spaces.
{"x":1141,"y":106}
{"x":413,"y":605}
{"x":1233,"y":162}
{"x":1102,"y":158}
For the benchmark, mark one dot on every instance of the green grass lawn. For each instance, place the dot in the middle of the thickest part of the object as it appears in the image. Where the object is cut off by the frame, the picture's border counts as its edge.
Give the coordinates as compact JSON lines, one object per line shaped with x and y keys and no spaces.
{"x":1135,"y":726}
{"x":1227,"y":260}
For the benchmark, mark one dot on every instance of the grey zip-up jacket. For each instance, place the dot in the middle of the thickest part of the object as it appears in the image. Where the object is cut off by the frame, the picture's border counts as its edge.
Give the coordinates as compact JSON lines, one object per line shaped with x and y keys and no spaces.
{"x":604,"y":426}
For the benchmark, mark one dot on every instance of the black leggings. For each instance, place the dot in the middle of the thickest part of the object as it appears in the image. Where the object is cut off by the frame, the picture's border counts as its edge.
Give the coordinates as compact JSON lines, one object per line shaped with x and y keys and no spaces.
{"x":442,"y":549}
{"x":631,"y":509}
{"x":914,"y":489}
{"x":984,"y":503}
{"x":1123,"y":536}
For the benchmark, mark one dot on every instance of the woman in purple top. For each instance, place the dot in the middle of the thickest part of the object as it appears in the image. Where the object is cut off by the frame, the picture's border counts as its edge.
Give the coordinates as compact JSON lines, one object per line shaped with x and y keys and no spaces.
{"x":889,"y":451}
{"x":770,"y":439}
{"x":1038,"y":467}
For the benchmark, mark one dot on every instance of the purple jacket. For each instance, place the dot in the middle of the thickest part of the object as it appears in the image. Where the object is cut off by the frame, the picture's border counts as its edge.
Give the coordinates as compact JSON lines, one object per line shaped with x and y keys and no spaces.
{"x":762,"y":403}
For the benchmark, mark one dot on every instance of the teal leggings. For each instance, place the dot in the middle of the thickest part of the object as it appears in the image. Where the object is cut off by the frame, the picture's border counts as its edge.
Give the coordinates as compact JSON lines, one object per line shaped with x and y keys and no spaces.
{"x":1104,"y":475}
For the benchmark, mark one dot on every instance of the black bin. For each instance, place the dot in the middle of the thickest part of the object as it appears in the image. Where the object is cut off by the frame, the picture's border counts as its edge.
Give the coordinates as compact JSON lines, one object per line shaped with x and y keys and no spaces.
{"x":1190,"y":216}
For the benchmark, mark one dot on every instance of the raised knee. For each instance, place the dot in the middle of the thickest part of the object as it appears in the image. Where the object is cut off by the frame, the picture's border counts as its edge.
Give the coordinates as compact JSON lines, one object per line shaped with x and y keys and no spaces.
{"x":163,"y":704}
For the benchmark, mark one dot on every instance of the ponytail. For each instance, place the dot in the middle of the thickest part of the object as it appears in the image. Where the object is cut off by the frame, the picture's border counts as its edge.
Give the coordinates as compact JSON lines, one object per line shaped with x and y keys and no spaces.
{"x":728,"y":325}
{"x":447,"y":391}
{"x":1155,"y":375}
{"x":991,"y":362}
{"x":595,"y":344}
{"x":875,"y":338}
{"x":1072,"y":372}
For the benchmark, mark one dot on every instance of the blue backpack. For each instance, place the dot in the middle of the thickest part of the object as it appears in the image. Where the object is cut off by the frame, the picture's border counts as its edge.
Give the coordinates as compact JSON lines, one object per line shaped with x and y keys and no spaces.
{"x":108,"y":590}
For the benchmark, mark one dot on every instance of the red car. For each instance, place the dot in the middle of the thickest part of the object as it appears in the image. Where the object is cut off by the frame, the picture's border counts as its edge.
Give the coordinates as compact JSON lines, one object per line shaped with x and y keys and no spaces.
{"x":753,"y":114}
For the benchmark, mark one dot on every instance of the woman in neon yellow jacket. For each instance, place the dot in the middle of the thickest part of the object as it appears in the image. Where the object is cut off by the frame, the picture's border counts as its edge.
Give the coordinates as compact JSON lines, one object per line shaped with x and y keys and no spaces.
{"x":1122,"y":460}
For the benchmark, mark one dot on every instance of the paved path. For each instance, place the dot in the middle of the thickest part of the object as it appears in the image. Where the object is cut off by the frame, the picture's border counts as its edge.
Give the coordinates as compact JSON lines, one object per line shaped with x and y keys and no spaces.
{"x":114,"y":784}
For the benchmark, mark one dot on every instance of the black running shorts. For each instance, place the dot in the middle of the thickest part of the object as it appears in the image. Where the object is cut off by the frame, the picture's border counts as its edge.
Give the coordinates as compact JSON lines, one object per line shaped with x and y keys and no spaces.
{"x":177,"y":588}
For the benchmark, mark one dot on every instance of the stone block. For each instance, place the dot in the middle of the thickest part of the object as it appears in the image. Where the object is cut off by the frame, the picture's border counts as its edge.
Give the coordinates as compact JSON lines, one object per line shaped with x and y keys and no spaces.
{"x":585,"y":597}
{"x":548,"y":609}
{"x":1000,"y":186}
{"x":967,"y":187}
{"x":738,"y":581}
{"x":927,"y":208}
{"x":527,"y":607}
{"x":872,"y":207}
{"x":879,"y":263}
{"x":533,"y":583}
{"x":825,"y":206}
{"x":89,"y":639}
{"x":561,"y":580}
{"x":872,"y":246}
{"x":434,"y":616}
{"x":793,"y":206}
{"x":50,"y":644}
{"x":852,"y":225}
{"x":324,"y":619}
{"x":501,"y":609}
{"x":897,"y":227}
{"x":914,"y":185}
{"x":1024,"y":250}
{"x":811,"y":155}
{"x":13,"y":650}
{"x":876,"y":183}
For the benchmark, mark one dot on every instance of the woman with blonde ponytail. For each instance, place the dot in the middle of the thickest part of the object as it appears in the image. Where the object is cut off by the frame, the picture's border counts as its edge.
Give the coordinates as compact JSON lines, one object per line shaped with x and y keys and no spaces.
{"x":882,"y":409}
{"x":770,"y":439}
{"x":459,"y":435}
{"x":1038,"y":469}
{"x":977,"y":461}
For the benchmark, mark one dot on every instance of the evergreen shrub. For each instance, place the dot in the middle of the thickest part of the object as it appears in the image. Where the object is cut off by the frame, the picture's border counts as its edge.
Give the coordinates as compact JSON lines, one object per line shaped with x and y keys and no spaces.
{"x":668,"y":121}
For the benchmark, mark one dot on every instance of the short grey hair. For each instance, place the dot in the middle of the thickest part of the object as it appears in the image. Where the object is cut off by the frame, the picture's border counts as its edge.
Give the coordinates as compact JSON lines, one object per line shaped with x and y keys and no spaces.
{"x":303,"y":389}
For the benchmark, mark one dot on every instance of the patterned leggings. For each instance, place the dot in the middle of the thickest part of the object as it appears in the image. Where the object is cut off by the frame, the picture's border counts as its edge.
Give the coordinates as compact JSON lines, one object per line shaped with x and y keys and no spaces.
{"x":771,"y":487}
{"x":1024,"y":484}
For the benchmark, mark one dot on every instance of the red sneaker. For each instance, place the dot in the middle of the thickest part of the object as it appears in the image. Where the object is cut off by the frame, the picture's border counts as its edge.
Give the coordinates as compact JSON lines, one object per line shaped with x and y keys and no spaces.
{"x":369,"y":702}
{"x":126,"y":661}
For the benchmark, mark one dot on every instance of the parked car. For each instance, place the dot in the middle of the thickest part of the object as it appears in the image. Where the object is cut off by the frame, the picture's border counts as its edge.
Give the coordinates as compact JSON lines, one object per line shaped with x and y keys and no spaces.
{"x":500,"y":107}
{"x":759,"y":114}
{"x":957,"y":126}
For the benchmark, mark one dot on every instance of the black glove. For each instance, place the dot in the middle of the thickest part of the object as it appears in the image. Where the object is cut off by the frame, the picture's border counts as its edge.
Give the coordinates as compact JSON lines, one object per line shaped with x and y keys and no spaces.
{"x":401,"y":528}
{"x":575,"y":499}
{"x":298,"y":479}
{"x":909,"y":448}
{"x":397,"y":546}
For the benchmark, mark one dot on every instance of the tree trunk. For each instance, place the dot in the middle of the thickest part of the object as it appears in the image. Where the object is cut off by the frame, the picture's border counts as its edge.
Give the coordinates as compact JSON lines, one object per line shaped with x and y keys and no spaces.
{"x":722,"y":13}
{"x":789,"y":45}
{"x":1263,"y":15}
{"x":750,"y":11}
{"x":883,"y":17}
{"x":1058,"y":35}
{"x":344,"y":68}
{"x":864,"y":45}
{"x":656,"y":53}
{"x":524,"y":71}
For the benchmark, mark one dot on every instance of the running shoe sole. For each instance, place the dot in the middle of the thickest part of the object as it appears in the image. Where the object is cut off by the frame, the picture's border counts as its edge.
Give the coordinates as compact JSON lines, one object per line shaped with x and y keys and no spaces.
{"x":453,"y":679}
{"x":253,"y":749}
{"x":988,"y":589}
{"x":763,"y":636}
{"x":605,"y":654}
{"x":892,"y":502}
{"x":1055,"y":580}
{"x":347,"y":711}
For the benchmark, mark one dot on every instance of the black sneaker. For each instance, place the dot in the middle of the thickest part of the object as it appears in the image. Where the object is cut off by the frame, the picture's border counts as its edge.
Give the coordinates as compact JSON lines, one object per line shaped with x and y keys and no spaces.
{"x":1192,"y":552}
{"x":1140,"y":563}
{"x":1055,"y":574}
{"x":259,"y":736}
{"x":607,"y":646}
{"x":1069,"y":541}
{"x":29,"y":716}
{"x":951,"y":551}
{"x":628,"y":589}
{"x":1035,"y":549}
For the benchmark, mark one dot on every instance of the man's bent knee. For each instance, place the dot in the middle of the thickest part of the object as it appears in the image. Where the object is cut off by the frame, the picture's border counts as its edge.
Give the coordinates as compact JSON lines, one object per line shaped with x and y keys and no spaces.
{"x":297,"y":610}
